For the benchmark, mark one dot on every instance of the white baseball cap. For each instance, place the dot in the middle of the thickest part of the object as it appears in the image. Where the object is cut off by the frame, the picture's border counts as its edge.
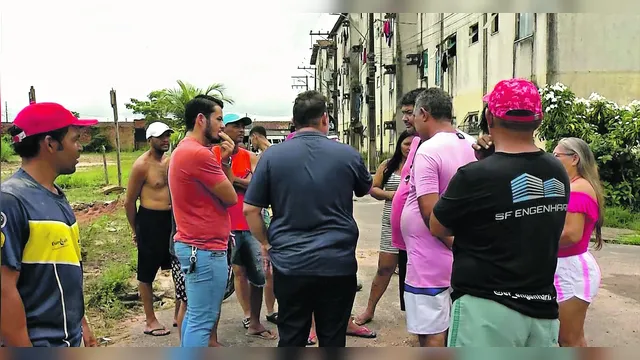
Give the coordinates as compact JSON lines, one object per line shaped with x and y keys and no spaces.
{"x":156,"y":129}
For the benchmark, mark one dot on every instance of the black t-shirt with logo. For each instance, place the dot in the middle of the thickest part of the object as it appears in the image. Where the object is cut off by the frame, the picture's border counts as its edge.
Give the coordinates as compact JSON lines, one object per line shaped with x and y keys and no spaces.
{"x":507,"y":213}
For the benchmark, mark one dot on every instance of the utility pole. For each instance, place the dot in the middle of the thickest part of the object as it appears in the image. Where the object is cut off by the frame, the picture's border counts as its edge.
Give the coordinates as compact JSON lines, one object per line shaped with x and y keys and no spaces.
{"x":6,"y":112}
{"x":114,"y":106}
{"x":306,"y":82}
{"x":32,"y":95}
{"x":315,"y":81}
{"x":371,"y":95}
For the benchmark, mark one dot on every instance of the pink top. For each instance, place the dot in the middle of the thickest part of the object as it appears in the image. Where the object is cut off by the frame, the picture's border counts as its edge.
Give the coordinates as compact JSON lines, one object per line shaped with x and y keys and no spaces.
{"x":582,"y":203}
{"x":400,"y":198}
{"x":429,"y":261}
{"x":290,"y":136}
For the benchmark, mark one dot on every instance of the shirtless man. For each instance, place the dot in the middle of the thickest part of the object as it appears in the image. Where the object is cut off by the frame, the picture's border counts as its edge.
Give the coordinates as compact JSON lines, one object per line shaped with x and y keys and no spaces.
{"x":151,"y":222}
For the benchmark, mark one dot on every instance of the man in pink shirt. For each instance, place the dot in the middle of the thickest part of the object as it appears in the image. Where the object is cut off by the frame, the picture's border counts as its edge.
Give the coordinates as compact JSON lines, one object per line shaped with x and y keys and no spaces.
{"x":429,"y":259}
{"x":407,"y":104}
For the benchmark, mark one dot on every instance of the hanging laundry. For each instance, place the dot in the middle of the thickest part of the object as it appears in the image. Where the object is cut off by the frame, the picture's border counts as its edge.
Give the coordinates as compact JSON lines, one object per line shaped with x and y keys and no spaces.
{"x":386,"y":28}
{"x":444,"y":63}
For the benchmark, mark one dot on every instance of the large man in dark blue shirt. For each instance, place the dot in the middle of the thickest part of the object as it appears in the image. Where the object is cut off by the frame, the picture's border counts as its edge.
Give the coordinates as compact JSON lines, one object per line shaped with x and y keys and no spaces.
{"x":309,"y":182}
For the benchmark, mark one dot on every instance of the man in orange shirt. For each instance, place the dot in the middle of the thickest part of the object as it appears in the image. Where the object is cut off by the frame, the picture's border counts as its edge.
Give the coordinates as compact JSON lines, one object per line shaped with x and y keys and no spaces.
{"x":246,"y":256}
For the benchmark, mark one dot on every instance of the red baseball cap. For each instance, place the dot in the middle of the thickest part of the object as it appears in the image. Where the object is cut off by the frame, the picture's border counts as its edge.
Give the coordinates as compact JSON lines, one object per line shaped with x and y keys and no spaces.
{"x":515,"y":94}
{"x":44,"y":117}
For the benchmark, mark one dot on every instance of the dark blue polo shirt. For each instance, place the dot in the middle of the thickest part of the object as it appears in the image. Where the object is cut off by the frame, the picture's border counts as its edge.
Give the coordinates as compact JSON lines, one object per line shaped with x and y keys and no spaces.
{"x":309,"y":182}
{"x":40,"y":240}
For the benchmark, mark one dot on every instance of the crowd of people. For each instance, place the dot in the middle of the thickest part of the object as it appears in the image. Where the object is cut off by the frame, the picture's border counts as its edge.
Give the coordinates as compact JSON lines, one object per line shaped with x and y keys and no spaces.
{"x":489,"y":236}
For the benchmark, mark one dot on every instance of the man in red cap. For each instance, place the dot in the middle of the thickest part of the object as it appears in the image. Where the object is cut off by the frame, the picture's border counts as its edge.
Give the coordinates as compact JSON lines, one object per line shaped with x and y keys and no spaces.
{"x":506,"y":213}
{"x":42,"y":299}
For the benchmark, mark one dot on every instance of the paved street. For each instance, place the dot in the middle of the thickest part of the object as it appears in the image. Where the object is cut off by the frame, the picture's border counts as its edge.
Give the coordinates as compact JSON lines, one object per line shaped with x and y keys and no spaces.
{"x":613,"y":320}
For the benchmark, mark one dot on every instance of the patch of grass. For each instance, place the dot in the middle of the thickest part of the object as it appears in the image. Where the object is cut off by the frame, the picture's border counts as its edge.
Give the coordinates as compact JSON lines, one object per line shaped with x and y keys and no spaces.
{"x":109,"y":261}
{"x":617,"y":217}
{"x":629,"y":240}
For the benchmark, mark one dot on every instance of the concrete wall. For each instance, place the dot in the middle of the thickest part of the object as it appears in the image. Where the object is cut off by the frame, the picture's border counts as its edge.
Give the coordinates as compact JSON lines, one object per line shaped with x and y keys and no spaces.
{"x":599,"y":53}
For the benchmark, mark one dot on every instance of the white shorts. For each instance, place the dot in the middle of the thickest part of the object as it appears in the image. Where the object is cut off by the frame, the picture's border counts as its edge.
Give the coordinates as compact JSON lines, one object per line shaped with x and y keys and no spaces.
{"x":427,"y":314}
{"x":577,"y":276}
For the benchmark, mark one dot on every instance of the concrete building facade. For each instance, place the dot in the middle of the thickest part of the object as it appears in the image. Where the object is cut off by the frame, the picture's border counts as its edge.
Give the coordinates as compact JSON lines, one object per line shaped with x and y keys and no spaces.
{"x":466,"y":54}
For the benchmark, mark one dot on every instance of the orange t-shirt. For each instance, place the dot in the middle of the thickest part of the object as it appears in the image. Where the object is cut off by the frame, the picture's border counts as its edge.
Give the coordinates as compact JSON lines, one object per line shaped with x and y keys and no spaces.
{"x":241,"y":167}
{"x":202,"y":220}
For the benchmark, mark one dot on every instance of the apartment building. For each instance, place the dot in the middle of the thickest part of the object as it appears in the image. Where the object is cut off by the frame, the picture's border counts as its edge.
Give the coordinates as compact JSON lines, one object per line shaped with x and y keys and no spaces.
{"x":467,"y":54}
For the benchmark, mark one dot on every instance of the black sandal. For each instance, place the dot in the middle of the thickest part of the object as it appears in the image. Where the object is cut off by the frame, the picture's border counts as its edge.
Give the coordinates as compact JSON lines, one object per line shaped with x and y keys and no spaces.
{"x":273,"y":318}
{"x":246,"y":322}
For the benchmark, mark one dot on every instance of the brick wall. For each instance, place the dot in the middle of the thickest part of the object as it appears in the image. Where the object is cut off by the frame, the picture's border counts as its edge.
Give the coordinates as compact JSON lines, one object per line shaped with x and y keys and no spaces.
{"x":126,"y":133}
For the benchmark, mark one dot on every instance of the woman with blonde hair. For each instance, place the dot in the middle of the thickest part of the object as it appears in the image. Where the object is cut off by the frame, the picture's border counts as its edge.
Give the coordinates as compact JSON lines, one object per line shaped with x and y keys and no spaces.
{"x":577,"y":277}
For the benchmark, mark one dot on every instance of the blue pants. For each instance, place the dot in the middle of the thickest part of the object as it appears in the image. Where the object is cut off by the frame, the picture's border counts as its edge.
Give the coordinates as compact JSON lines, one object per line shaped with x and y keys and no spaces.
{"x":205,"y":291}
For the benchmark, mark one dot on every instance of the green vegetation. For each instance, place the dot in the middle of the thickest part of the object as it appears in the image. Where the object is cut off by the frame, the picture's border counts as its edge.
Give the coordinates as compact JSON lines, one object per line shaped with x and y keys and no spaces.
{"x":167,"y":105}
{"x":6,"y":151}
{"x":617,"y":217}
{"x":628,"y":240}
{"x":109,"y":260}
{"x":611,"y":130}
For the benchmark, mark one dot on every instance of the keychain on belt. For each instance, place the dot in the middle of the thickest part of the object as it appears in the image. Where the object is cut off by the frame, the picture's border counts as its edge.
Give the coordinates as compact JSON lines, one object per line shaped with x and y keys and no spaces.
{"x":192,"y":260}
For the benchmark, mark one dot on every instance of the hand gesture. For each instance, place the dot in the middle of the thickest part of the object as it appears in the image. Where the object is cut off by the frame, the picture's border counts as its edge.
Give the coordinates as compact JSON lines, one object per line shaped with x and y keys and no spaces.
{"x":227,"y":146}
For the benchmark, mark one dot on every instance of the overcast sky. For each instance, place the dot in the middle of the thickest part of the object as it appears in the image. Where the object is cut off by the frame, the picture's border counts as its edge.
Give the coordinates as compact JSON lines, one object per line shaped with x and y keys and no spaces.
{"x":74,"y":51}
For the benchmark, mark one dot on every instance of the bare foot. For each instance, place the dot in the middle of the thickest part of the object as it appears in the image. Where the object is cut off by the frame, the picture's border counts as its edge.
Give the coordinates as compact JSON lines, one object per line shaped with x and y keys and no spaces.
{"x":154,"y":328}
{"x":261,"y":332}
{"x":363,"y":318}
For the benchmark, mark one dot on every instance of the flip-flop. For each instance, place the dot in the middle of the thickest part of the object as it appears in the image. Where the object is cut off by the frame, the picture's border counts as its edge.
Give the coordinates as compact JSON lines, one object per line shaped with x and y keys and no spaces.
{"x":362,"y":323}
{"x":363,"y":332}
{"x":246,"y":322}
{"x":261,"y":335}
{"x":175,"y":324}
{"x":311,"y":340}
{"x":273,"y":318}
{"x":154,"y":332}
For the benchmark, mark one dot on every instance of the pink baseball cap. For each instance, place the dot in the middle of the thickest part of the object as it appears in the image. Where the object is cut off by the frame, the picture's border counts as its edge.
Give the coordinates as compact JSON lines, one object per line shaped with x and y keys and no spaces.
{"x":515,"y":94}
{"x":38,"y":118}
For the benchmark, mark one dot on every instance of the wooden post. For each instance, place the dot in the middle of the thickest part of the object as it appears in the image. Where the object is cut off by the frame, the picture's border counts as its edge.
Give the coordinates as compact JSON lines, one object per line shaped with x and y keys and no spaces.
{"x":104,"y":162}
{"x":114,"y":105}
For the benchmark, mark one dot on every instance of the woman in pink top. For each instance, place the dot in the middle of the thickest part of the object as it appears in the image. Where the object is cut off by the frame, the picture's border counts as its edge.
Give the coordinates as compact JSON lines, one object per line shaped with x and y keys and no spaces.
{"x":577,"y":277}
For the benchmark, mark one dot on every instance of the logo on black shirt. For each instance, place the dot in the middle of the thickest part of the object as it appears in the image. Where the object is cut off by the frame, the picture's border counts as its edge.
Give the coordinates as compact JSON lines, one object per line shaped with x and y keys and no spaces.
{"x":526,"y":187}
{"x":3,"y":220}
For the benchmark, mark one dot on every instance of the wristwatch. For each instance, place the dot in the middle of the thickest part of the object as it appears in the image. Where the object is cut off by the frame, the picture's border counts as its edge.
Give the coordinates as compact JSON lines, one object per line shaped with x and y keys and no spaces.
{"x":226,"y":163}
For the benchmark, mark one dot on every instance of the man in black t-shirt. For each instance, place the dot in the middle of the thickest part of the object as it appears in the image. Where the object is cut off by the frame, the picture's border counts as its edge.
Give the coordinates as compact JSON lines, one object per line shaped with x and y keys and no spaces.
{"x":507,"y":213}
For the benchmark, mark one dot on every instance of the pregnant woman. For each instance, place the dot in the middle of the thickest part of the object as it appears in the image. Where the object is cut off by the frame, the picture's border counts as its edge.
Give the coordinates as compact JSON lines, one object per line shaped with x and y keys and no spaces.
{"x":385,"y":183}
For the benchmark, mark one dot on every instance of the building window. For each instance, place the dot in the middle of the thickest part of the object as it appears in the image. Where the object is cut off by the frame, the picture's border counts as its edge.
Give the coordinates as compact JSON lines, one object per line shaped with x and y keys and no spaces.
{"x":525,"y":25}
{"x":425,"y":64}
{"x":474,"y":35}
{"x":495,"y":22}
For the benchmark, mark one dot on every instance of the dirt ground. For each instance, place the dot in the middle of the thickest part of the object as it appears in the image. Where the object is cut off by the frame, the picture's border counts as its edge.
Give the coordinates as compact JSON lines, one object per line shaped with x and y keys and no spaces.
{"x":613,"y":319}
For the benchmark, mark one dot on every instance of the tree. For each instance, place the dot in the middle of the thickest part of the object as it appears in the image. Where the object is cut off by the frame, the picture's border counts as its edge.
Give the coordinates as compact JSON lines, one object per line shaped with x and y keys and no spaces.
{"x":76,"y":114}
{"x":168,"y":104}
{"x":612,"y":132}
{"x":180,"y":96}
{"x":155,"y":108}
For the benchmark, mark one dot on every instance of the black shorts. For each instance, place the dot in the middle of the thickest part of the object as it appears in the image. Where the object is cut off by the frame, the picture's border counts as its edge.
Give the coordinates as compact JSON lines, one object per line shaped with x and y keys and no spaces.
{"x":153,"y":228}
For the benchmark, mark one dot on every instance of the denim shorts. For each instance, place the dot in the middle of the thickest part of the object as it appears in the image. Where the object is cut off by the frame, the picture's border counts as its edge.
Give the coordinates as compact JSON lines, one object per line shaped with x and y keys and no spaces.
{"x":246,"y":253}
{"x":205,"y":290}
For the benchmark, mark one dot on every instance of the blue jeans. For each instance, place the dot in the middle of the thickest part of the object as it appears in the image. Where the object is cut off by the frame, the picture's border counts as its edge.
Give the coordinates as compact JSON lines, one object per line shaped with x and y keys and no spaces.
{"x":205,"y":291}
